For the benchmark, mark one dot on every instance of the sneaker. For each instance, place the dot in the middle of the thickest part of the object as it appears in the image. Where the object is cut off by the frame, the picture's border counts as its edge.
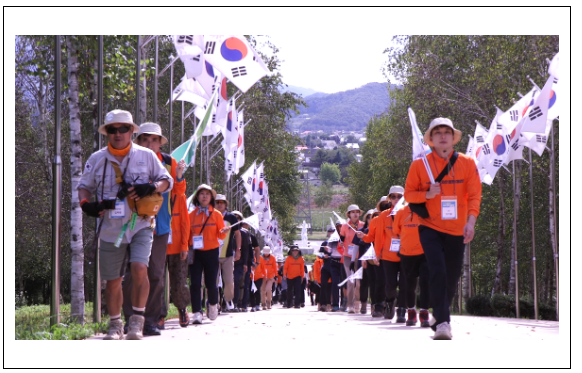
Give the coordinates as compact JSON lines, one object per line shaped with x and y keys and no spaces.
{"x":335,"y":309}
{"x":328,"y":308}
{"x":390,"y":310}
{"x":401,"y":312}
{"x":243,"y":309}
{"x":135,"y":331}
{"x":257,"y":308}
{"x":115,"y":331}
{"x":424,"y":319}
{"x":184,"y":317}
{"x":197,"y":318}
{"x":302,"y":305}
{"x":411,"y":317}
{"x":161,"y":323}
{"x":443,"y":332}
{"x":351,"y":310}
{"x":264,"y":307}
{"x":297,"y":307}
{"x":229,"y":307}
{"x":212,"y":312}
{"x":151,"y":330}
{"x":364,"y":308}
{"x":252,"y":309}
{"x":432,"y":323}
{"x":378,"y":311}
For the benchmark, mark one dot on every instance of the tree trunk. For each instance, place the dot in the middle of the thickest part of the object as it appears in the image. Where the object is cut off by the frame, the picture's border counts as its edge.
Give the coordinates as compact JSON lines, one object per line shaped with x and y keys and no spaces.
{"x":77,"y":254}
{"x":142,"y":90}
{"x":500,"y":238}
{"x":95,"y":103}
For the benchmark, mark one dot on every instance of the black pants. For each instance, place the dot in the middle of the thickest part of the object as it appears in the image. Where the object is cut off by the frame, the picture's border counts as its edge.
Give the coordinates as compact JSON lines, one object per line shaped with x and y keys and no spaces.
{"x":415,"y":268}
{"x":294,"y":289}
{"x":247,"y":288}
{"x":393,"y":278}
{"x":365,"y":284}
{"x":378,"y":285}
{"x":256,"y":296}
{"x":444,"y":255}
{"x":238,"y":284}
{"x":206,"y":261}
{"x":330,"y":291}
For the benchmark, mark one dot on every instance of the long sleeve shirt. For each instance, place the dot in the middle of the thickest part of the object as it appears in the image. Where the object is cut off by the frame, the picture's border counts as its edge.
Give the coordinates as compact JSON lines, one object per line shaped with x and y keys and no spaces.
{"x":211,"y":232}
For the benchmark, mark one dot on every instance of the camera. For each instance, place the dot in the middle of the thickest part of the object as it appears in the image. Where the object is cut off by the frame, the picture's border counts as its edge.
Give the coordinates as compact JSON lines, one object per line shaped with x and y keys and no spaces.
{"x":123,"y":190}
{"x":108,"y":204}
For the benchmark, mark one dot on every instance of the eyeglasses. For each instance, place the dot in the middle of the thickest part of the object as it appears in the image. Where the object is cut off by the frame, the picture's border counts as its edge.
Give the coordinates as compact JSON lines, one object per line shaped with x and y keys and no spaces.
{"x":217,"y":202}
{"x":113,"y":130}
{"x":395,"y":197}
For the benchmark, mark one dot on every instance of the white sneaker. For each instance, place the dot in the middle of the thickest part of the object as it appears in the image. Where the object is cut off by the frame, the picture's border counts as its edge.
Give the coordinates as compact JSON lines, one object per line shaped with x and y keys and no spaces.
{"x":351,"y":310}
{"x":443,"y":332}
{"x":212,"y":312}
{"x":229,"y":306}
{"x":197,"y":318}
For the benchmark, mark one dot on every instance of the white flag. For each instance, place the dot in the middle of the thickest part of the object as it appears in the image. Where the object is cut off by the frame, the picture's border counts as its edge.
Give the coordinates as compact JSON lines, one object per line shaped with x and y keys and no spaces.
{"x":189,"y":90}
{"x":335,"y":235}
{"x":471,"y":149}
{"x":248,"y":178}
{"x":356,"y":276}
{"x":536,"y":141}
{"x":536,"y":117}
{"x":370,"y":254}
{"x":516,"y":113}
{"x":188,"y":45}
{"x":194,"y":65}
{"x":342,"y":220}
{"x":258,"y":183}
{"x":480,"y":140}
{"x":253,"y":221}
{"x":516,"y":140}
{"x":498,"y":139}
{"x":554,"y":68}
{"x":240,"y":153}
{"x":235,"y":58}
{"x":230,"y":140}
{"x":399,"y":205}
{"x":418,"y":145}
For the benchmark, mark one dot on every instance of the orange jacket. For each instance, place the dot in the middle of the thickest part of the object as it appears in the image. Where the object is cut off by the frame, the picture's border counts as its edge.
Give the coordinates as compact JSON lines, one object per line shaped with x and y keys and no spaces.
{"x":349,"y":235}
{"x":294,"y":267}
{"x":180,"y":225}
{"x":384,"y":237}
{"x":317,"y":269}
{"x":462,"y":181}
{"x":371,"y":235}
{"x":211,"y":232}
{"x":406,"y":226}
{"x":269,"y":266}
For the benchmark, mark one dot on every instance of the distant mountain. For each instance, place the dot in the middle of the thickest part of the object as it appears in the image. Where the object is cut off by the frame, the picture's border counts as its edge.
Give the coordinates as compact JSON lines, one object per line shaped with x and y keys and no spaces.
{"x":304,"y":92}
{"x":349,"y":110}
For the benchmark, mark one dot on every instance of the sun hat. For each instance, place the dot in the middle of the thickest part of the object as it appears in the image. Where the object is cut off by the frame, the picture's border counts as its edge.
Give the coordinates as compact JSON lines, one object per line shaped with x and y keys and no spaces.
{"x":204,"y":187}
{"x":442,"y":122}
{"x":117,"y":116}
{"x":353,"y":208}
{"x":396,"y":189}
{"x":369,"y":212}
{"x":293,"y":247}
{"x":267,"y":250}
{"x":331,"y":229}
{"x":152,"y":129}
{"x":237,"y":213}
{"x":221,"y":197}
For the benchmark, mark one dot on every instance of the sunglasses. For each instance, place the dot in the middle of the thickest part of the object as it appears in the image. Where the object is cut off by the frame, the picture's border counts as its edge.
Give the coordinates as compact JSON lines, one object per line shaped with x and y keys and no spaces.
{"x":219,"y":202}
{"x":113,"y":130}
{"x":395,"y":197}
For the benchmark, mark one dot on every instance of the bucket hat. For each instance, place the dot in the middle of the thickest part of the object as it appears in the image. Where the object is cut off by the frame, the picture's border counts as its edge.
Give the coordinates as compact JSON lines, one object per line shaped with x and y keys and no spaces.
{"x":117,"y":116}
{"x":152,"y":129}
{"x":442,"y":122}
{"x":353,"y":208}
{"x":221,"y":197}
{"x":204,"y":187}
{"x":266,"y":250}
{"x":396,"y":189}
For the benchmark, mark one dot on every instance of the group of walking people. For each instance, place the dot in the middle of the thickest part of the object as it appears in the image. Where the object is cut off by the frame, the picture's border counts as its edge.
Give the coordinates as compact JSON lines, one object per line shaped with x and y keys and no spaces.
{"x":145,"y":226}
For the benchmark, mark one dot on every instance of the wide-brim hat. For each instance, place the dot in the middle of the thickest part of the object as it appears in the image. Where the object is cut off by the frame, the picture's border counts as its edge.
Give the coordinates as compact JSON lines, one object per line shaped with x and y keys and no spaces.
{"x":221,"y":197}
{"x":293,"y":247}
{"x":353,"y":208}
{"x":117,"y":116}
{"x":383,"y":199}
{"x":204,"y":187}
{"x":236,"y":212}
{"x":151,"y":129}
{"x":266,"y":250}
{"x":369,"y":212}
{"x":396,"y":189}
{"x":442,"y":122}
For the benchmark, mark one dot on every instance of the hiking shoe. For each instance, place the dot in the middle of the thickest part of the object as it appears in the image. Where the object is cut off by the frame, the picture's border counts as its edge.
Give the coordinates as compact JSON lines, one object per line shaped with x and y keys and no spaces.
{"x":161,"y":323}
{"x":135,"y":331}
{"x":197,"y":318}
{"x":443,"y":332}
{"x":423,"y":316}
{"x":351,"y":310}
{"x":328,"y":308}
{"x":151,"y":330}
{"x":252,"y":309}
{"x":302,"y":305}
{"x":335,"y":309}
{"x":411,"y":317}
{"x":401,"y":312}
{"x":363,"y":308}
{"x":184,"y":318}
{"x":432,"y":323}
{"x":257,"y":308}
{"x":212,"y":312}
{"x":390,"y":310}
{"x":243,"y":309}
{"x":115,"y":331}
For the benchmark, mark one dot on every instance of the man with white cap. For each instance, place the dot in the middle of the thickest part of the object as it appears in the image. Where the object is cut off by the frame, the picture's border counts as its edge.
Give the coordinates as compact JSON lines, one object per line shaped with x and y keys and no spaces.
{"x":447,"y":219}
{"x":127,"y":179}
{"x":269,"y":263}
{"x":150,"y":136}
{"x":241,"y":266}
{"x":347,"y":233}
{"x":229,"y":252}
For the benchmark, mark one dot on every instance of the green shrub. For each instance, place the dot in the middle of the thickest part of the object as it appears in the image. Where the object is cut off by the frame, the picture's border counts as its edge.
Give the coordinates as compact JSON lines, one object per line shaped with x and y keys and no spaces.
{"x":546,"y":311}
{"x":503,"y":305}
{"x":479,"y":305}
{"x":526,"y":308}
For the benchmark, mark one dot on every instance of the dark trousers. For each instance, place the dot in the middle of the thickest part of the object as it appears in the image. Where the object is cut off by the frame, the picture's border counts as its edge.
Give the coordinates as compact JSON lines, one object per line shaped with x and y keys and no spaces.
{"x":444,"y":255}
{"x":330,"y":291}
{"x":156,"y":271}
{"x":393,"y":278}
{"x":294,"y":289}
{"x":415,"y":269}
{"x":256,"y":296}
{"x":238,"y":277}
{"x":206,"y":261}
{"x":365,"y":284}
{"x":247,"y":289}
{"x":379,"y":285}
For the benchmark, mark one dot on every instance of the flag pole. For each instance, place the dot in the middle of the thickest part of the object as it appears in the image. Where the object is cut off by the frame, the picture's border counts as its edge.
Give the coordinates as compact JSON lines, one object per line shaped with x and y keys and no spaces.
{"x":156,"y":83}
{"x":171,"y":102}
{"x":533,"y":236}
{"x":553,"y":163}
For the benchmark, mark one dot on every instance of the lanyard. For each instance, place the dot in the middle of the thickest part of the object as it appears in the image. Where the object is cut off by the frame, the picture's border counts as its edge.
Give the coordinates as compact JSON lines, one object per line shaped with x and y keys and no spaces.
{"x":204,"y":225}
{"x":453,"y":169}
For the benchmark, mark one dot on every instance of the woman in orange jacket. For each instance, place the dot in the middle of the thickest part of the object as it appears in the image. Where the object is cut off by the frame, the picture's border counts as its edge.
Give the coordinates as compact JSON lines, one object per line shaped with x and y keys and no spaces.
{"x":413,"y":264}
{"x":206,"y":228}
{"x":269,"y":263}
{"x":293,"y":272}
{"x":258,"y":274}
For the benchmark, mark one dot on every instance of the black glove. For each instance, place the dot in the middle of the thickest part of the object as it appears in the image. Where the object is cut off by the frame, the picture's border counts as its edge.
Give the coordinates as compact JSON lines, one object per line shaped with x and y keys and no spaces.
{"x":144,"y":190}
{"x":352,"y":266}
{"x":92,"y":208}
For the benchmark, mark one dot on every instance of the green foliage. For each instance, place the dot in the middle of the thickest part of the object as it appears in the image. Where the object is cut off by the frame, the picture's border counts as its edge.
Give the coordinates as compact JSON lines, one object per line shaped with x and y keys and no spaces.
{"x":309,"y":258}
{"x":323,"y":195}
{"x":479,"y":305}
{"x":503,"y":305}
{"x":329,"y":173}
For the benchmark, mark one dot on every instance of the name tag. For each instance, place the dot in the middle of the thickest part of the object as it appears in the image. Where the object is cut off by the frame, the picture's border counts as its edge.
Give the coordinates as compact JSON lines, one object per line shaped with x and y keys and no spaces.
{"x":449,"y":207}
{"x":119,"y":211}
{"x":170,"y":237}
{"x":395,"y":245}
{"x":352,"y":249}
{"x":197,"y":242}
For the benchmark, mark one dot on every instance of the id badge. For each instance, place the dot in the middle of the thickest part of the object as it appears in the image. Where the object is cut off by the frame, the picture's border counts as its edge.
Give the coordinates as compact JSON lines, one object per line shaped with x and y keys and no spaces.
{"x":352,"y":250}
{"x":119,"y":211}
{"x":197,"y":242}
{"x":395,"y":245}
{"x":449,"y":207}
{"x":170,"y":237}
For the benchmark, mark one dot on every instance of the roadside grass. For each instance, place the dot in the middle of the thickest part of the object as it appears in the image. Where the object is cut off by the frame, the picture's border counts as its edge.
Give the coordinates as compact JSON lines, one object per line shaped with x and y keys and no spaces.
{"x":33,"y":323}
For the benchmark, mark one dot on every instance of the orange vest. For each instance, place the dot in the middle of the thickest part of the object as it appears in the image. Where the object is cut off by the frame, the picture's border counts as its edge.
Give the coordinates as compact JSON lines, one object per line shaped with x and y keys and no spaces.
{"x":294,"y":267}
{"x":384,"y":236}
{"x":406,"y":226}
